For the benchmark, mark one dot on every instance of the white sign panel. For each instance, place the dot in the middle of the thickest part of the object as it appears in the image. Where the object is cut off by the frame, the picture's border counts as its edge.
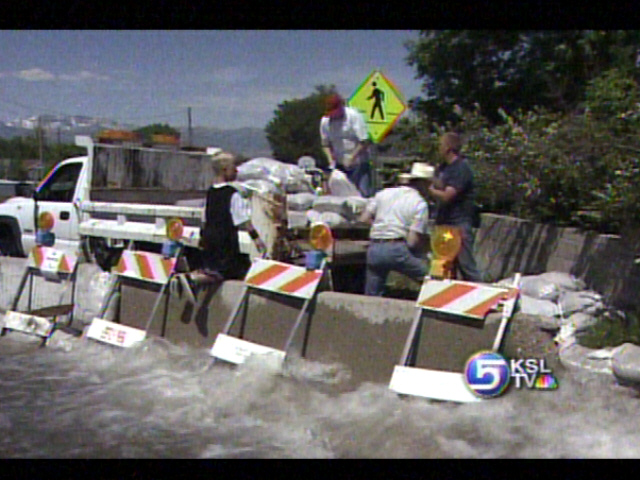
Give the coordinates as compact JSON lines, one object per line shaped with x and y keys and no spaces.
{"x":434,"y":384}
{"x":236,"y":350}
{"x":114,"y":333}
{"x":23,"y":322}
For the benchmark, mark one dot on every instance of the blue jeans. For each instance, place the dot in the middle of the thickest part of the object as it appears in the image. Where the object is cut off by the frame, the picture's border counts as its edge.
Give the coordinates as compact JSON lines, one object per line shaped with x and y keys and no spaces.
{"x":360,"y":176}
{"x":392,"y":256}
{"x":465,"y":261}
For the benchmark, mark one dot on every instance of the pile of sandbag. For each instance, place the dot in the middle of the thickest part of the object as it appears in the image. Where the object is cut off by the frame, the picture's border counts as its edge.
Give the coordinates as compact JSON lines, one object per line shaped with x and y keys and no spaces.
{"x":341,"y":206}
{"x":560,"y":301}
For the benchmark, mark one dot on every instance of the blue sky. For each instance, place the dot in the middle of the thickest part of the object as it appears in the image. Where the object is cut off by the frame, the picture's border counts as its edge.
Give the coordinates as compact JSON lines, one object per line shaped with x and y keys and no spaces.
{"x":230,"y":78}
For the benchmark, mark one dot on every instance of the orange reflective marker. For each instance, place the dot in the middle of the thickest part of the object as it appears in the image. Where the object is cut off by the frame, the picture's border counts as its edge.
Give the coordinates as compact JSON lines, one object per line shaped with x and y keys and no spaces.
{"x":45,"y":221}
{"x":175,"y":229}
{"x":320,"y":236}
{"x":446,"y":241}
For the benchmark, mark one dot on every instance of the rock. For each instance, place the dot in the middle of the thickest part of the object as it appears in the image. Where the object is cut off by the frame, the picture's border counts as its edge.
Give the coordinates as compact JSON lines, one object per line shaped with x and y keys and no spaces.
{"x":534,"y":306}
{"x":626,"y":363}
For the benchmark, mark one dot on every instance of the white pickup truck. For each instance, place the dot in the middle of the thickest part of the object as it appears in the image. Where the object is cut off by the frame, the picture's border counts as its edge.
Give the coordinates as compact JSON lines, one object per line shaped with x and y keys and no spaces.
{"x":123,"y":193}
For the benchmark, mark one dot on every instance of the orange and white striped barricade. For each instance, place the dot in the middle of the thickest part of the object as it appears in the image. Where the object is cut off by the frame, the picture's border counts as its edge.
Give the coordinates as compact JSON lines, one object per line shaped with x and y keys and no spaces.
{"x":286,"y":281}
{"x":460,"y":302}
{"x":152,"y":268}
{"x":52,"y":265}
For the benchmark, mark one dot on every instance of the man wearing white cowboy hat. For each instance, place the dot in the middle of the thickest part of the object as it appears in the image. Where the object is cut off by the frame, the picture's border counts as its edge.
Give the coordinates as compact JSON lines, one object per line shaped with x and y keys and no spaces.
{"x":398,"y":217}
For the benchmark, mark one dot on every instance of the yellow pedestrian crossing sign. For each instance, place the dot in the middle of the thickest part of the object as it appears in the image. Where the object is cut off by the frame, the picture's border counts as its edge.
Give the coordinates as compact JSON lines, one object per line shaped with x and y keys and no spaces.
{"x":380,"y":103}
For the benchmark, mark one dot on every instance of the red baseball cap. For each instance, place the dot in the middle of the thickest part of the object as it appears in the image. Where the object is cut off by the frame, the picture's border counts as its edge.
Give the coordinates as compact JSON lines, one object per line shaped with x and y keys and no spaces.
{"x":333,"y":104}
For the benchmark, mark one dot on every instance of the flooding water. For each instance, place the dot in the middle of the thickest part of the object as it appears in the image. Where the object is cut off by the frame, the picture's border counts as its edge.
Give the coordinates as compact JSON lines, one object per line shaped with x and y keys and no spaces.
{"x":81,"y":399}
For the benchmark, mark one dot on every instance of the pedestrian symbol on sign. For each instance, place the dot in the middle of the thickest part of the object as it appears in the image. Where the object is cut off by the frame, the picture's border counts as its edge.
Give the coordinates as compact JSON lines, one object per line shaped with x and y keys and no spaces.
{"x":380,"y":104}
{"x":378,"y":98}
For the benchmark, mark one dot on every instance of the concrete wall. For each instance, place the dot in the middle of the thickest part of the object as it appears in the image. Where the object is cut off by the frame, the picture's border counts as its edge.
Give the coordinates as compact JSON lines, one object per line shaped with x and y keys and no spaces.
{"x":505,"y":245}
{"x":365,"y":336}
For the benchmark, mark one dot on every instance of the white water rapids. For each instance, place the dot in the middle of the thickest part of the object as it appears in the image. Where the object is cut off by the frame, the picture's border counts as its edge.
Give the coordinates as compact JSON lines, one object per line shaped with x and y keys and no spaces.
{"x":80,"y":399}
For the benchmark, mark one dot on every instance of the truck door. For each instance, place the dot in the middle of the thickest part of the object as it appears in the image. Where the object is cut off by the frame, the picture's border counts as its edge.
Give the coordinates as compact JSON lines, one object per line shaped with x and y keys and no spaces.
{"x":56,"y":196}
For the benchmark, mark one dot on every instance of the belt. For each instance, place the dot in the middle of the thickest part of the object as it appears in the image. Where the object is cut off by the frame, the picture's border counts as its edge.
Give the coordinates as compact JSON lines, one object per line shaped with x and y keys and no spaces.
{"x":387,"y":240}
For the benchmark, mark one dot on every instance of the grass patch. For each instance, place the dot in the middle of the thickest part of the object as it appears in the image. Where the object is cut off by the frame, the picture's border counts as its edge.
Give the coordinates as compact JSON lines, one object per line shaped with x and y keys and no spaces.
{"x":612,"y":329}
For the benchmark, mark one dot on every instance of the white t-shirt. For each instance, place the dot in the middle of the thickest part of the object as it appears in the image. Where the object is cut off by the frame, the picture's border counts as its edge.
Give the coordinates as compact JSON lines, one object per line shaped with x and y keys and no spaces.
{"x":343,"y":135}
{"x":397,"y":210}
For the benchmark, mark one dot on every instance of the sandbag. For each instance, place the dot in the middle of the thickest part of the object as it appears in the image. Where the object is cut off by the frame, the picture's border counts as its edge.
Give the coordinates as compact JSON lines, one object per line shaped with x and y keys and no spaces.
{"x":340,"y":186}
{"x":300,"y":201}
{"x":586,"y":301}
{"x":330,"y":203}
{"x":354,"y":206}
{"x":290,"y":178}
{"x":538,"y":287}
{"x":313,"y":216}
{"x":534,"y":306}
{"x":261,"y":185}
{"x":297,"y":219}
{"x":333,"y":219}
{"x":626,"y":363}
{"x":581,"y":321}
{"x":564,"y":281}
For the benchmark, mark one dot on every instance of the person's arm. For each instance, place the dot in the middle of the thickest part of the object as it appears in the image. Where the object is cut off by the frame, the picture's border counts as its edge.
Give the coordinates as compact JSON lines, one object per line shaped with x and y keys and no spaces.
{"x":369,"y":213}
{"x":444,"y":195}
{"x":417,"y":241}
{"x":417,"y":238}
{"x":328,"y":152}
{"x":326,"y":144}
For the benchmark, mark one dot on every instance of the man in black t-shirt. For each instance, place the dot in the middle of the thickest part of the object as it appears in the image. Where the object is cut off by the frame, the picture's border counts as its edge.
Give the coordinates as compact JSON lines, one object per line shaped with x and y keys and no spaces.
{"x":454,"y":194}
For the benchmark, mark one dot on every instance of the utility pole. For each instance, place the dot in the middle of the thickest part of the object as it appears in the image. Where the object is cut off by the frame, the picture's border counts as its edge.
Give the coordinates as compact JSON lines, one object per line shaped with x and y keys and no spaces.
{"x":40,"y":139}
{"x":190,"y":138}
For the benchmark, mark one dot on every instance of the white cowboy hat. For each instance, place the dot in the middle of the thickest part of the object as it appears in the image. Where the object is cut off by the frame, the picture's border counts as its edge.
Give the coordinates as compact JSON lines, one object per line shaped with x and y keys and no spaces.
{"x":418,"y":170}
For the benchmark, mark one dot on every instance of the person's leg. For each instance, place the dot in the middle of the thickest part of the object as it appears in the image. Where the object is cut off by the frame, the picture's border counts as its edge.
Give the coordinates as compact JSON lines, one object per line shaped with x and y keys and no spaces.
{"x":377,"y":270}
{"x":465,"y":261}
{"x":408,"y":264}
{"x":360,"y":176}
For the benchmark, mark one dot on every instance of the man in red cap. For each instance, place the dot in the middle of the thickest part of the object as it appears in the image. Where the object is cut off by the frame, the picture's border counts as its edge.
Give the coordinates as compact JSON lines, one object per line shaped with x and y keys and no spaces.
{"x":345,"y":141}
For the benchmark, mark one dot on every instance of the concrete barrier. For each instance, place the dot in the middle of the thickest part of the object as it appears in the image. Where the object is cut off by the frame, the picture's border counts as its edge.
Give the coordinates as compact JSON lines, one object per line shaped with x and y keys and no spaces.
{"x":365,"y":335}
{"x":505,"y":245}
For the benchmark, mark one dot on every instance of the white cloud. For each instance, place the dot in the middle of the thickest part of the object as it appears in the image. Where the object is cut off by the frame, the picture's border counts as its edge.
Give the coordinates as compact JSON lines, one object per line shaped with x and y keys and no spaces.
{"x":40,"y":75}
{"x":35,"y":75}
{"x":83,"y":75}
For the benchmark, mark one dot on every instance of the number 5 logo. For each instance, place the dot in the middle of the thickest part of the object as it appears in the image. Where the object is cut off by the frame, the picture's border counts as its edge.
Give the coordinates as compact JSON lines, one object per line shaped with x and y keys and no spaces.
{"x":487,"y":374}
{"x":494,"y":369}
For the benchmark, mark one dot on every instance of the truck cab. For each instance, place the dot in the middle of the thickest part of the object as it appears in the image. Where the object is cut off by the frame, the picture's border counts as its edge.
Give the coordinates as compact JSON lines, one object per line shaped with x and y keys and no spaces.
{"x":59,"y":193}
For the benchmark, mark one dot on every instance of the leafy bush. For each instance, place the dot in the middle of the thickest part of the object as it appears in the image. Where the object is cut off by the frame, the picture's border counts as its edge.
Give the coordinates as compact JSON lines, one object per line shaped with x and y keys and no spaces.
{"x":574,"y":169}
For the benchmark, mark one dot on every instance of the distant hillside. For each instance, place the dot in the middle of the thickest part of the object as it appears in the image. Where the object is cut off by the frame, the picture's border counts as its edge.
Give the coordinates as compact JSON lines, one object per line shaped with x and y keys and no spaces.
{"x":250,"y":142}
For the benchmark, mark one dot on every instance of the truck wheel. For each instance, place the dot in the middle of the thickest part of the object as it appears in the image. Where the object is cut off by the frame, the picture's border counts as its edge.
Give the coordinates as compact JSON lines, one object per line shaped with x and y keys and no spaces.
{"x":106,"y":257}
{"x":8,"y":244}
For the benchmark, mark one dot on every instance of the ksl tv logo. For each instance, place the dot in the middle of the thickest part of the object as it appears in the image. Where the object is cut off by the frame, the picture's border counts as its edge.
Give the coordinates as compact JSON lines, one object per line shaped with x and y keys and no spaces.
{"x":488,"y":374}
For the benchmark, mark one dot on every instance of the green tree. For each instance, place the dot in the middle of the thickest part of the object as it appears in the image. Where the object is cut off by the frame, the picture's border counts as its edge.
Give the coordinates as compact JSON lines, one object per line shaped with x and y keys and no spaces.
{"x":513,"y":70}
{"x":156,"y":129}
{"x":295,"y":129}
